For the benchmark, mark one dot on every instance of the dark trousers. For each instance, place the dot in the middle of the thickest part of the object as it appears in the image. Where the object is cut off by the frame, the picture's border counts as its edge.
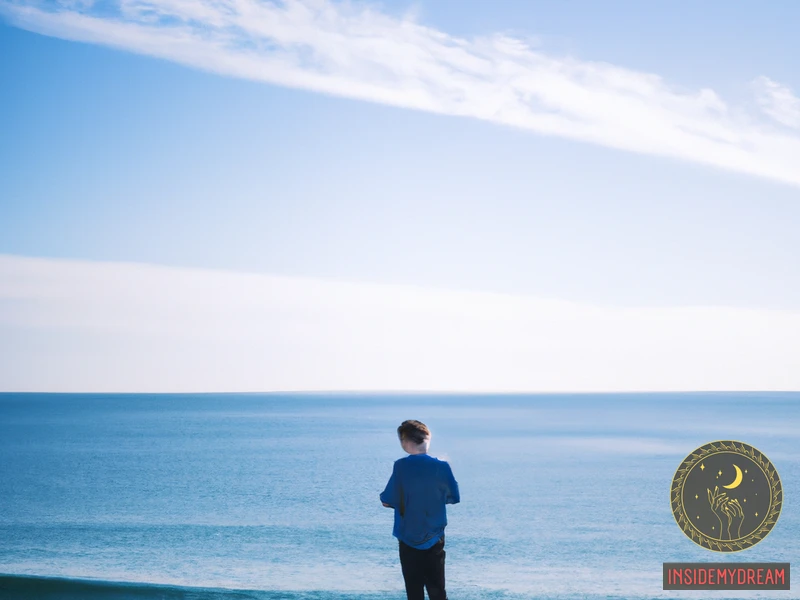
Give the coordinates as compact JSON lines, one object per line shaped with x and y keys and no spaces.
{"x":423,"y":569}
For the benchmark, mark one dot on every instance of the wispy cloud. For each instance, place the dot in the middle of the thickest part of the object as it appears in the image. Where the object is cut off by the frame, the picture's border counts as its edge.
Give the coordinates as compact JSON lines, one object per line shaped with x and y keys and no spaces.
{"x":357,"y":51}
{"x":778,"y":101}
{"x":71,"y":325}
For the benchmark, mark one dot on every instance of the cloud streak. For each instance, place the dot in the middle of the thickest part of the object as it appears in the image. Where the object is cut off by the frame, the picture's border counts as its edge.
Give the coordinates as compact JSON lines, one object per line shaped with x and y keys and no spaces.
{"x":778,"y":101}
{"x":356,"y":51}
{"x":96,"y":326}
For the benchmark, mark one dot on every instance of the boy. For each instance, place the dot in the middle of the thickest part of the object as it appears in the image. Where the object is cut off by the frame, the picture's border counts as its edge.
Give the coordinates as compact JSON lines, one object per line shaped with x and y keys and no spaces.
{"x":418,"y":490}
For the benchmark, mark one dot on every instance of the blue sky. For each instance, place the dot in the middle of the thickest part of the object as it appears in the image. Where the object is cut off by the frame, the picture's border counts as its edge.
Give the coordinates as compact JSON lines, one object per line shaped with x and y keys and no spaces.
{"x":613,"y":159}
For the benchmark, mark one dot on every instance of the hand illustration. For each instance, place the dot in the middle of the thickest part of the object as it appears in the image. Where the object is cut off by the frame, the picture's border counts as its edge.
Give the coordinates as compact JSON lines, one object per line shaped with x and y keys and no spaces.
{"x":729,"y":513}
{"x":735,"y":514}
{"x":717,"y":500}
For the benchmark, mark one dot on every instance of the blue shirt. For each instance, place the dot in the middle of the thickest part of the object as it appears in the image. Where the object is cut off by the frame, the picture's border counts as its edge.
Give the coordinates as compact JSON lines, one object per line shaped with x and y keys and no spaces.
{"x":421,"y":486}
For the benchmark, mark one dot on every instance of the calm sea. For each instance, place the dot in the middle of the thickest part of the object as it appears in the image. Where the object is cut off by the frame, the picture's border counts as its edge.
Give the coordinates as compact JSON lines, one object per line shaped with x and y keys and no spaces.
{"x":563,"y":496}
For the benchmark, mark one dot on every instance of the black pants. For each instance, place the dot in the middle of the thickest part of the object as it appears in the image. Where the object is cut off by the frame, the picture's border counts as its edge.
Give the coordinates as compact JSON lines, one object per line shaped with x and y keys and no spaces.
{"x":423,"y":569}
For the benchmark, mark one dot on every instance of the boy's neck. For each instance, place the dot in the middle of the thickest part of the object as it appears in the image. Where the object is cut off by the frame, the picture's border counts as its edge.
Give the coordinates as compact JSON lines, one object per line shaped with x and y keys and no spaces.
{"x":414,"y":449}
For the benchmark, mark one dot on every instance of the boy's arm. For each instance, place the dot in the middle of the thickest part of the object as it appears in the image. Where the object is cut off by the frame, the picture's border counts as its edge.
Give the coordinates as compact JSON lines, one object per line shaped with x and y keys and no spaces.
{"x":452,"y":495}
{"x":389,"y":496}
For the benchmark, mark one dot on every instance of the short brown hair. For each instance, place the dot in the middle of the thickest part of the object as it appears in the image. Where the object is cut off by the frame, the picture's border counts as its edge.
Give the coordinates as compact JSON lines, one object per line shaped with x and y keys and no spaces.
{"x":413,"y":431}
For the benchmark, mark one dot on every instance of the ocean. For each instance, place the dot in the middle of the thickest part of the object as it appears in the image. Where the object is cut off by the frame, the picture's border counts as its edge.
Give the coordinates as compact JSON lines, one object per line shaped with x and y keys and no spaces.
{"x":275,"y":496}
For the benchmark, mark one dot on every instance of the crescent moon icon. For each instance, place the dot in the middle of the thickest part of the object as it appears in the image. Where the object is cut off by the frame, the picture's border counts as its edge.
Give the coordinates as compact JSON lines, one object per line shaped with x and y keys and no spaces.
{"x":736,"y":481}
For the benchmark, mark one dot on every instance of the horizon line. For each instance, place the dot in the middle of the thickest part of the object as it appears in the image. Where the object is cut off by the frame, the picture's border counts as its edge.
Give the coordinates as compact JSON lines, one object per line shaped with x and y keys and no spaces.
{"x":411,"y":392}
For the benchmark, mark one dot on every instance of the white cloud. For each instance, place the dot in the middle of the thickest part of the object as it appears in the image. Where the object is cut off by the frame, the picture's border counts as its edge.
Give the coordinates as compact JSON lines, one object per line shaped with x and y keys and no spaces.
{"x":778,"y":101}
{"x":83,"y":326}
{"x":355,"y":51}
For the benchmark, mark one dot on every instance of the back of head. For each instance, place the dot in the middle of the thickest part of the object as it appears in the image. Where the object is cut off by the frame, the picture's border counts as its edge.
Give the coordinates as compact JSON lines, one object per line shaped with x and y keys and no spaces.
{"x":415,"y":433}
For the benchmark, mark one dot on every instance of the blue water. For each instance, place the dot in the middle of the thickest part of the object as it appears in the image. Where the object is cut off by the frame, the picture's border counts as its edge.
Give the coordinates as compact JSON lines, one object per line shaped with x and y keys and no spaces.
{"x":563,"y":496}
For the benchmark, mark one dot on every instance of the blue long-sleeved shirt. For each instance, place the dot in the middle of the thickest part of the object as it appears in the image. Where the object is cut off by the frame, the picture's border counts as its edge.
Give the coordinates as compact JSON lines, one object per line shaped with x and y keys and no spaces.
{"x":425,"y":484}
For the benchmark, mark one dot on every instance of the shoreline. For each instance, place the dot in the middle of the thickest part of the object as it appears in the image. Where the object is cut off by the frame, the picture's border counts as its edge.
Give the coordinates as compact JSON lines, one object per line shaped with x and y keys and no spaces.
{"x":46,"y":587}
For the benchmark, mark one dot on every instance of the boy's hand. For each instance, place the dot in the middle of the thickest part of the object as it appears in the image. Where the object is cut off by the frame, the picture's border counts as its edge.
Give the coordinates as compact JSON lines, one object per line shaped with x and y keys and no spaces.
{"x":387,"y":505}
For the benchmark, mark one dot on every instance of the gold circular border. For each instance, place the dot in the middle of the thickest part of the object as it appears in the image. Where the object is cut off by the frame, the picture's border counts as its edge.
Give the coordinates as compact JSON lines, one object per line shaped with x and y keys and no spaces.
{"x":685,"y":523}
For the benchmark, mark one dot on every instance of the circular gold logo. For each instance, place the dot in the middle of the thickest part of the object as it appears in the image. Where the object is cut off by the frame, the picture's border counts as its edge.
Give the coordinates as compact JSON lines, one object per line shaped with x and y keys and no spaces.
{"x":726,"y":496}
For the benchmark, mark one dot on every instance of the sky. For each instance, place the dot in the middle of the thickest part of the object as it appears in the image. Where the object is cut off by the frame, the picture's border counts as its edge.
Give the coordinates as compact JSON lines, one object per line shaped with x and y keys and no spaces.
{"x":320,"y":195}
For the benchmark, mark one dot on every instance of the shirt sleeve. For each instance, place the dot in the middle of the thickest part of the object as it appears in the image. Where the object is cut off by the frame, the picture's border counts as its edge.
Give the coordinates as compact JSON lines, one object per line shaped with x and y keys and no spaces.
{"x":390,"y":494}
{"x":452,"y":495}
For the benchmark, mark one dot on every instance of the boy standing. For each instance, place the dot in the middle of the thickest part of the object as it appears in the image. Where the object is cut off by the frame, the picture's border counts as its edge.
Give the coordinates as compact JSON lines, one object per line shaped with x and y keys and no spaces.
{"x":418,"y":490}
